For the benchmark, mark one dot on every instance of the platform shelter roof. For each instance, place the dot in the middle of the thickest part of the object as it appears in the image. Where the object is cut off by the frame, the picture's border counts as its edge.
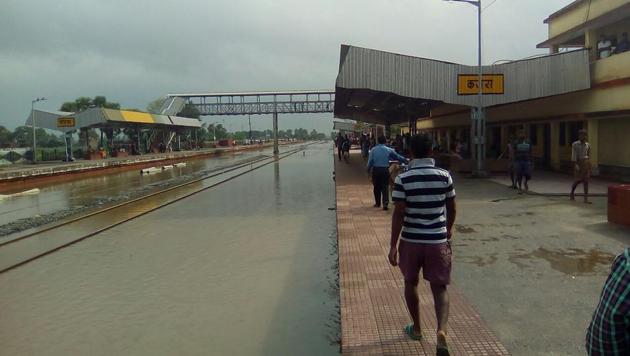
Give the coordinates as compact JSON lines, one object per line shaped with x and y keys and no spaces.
{"x":382,"y":87}
{"x":102,"y":118}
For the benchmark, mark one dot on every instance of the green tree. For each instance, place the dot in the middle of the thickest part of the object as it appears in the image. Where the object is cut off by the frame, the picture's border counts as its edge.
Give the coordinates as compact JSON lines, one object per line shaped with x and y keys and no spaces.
{"x":155,"y":106}
{"x":240,"y":135}
{"x":84,"y":102}
{"x":99,"y":101}
{"x":190,"y":111}
{"x":6,"y":137}
{"x":23,"y":136}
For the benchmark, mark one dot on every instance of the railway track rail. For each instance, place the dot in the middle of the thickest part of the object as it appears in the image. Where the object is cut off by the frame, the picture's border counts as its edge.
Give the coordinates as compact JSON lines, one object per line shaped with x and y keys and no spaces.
{"x":50,"y":239}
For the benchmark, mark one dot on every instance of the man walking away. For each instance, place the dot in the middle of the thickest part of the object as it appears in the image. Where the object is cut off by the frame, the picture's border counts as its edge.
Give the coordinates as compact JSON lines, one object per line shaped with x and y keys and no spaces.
{"x":609,"y":330}
{"x":424,"y":200}
{"x":378,"y":167}
{"x":339,"y":144}
{"x":523,"y":160}
{"x":509,"y":152}
{"x":345,"y":146}
{"x":580,"y":151}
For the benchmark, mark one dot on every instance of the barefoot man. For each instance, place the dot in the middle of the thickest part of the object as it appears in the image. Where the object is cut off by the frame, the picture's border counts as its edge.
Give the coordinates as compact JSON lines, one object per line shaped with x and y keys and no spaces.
{"x":580,"y":152}
{"x":425,"y":213}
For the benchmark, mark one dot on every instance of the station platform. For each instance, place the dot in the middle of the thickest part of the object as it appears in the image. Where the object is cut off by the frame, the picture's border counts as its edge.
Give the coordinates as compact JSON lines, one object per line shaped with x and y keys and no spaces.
{"x":558,"y":184}
{"x":19,"y":172}
{"x":373,"y":310}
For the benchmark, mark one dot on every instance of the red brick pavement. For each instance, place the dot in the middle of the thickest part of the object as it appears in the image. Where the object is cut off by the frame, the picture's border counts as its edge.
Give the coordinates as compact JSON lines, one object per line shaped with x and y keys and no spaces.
{"x":373,"y":311}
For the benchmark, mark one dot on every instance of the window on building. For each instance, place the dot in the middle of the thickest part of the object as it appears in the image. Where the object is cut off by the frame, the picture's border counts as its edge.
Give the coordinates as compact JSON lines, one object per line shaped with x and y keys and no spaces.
{"x":563,"y":133}
{"x":574,"y":130}
{"x":533,"y":134}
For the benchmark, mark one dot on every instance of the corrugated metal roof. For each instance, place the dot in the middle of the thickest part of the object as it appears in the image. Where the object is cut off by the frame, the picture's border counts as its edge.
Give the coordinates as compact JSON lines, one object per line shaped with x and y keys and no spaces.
{"x":405,"y":82}
{"x":184,"y":121}
{"x":100,"y":117}
{"x":172,"y":106}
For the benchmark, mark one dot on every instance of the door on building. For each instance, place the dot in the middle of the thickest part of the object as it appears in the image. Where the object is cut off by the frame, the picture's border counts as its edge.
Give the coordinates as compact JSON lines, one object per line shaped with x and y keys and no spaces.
{"x":547,"y":145}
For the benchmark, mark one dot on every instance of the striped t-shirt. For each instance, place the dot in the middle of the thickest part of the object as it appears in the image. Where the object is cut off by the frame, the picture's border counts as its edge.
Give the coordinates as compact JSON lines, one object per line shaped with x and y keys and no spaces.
{"x":424,"y":189}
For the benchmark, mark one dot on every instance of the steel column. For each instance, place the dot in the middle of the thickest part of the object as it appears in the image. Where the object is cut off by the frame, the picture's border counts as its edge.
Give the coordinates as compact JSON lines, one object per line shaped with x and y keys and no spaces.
{"x":275,"y":133}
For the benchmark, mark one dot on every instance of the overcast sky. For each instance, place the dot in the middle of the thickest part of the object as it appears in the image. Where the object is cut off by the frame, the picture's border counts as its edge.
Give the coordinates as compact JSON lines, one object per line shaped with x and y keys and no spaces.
{"x":136,"y":51}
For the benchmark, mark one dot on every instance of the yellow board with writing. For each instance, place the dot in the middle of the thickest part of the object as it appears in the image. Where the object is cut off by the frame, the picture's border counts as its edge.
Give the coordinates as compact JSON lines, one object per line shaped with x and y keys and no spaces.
{"x":65,"y":122}
{"x":468,"y":84}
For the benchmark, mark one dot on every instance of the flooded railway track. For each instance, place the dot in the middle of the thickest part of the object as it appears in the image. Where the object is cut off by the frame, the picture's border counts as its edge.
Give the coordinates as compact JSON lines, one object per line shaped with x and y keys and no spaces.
{"x":47,"y":240}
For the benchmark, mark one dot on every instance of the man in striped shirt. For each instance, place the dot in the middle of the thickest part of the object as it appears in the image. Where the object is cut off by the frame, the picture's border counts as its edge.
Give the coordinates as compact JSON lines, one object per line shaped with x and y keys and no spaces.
{"x":425,"y":213}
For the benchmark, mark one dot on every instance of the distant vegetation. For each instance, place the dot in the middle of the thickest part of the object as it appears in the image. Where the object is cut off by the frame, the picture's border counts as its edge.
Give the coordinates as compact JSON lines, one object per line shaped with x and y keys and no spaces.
{"x":84,"y":102}
{"x":22,"y":136}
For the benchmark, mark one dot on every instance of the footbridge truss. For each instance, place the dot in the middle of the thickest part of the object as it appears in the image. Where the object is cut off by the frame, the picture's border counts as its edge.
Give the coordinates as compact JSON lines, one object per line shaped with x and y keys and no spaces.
{"x":254,"y":103}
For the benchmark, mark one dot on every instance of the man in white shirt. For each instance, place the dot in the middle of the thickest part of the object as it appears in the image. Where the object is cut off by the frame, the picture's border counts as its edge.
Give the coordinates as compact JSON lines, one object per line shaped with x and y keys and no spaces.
{"x":580,"y":151}
{"x":604,"y":47}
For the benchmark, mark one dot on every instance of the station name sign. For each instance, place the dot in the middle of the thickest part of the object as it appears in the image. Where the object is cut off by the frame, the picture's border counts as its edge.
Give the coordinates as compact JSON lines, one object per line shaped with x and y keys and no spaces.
{"x":65,"y":122}
{"x":468,"y":84}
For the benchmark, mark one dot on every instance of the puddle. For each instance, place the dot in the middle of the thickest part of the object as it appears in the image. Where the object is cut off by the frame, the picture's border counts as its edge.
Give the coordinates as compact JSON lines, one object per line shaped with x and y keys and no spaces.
{"x":480,"y":261}
{"x":463,"y":229}
{"x":571,"y":261}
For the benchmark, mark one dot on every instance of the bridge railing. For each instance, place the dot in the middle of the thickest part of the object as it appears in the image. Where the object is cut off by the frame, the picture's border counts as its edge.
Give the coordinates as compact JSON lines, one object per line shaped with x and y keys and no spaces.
{"x":252,"y":103}
{"x":280,"y":107}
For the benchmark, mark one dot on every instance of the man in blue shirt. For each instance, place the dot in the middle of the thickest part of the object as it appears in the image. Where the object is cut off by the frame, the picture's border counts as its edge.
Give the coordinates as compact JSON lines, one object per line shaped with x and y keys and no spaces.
{"x":523,"y":160}
{"x":378,"y":166}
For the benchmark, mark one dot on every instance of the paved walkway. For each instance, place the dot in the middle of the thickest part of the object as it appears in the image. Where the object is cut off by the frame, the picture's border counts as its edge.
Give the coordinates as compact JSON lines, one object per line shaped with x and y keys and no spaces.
{"x":373,"y":311}
{"x":554,"y":183}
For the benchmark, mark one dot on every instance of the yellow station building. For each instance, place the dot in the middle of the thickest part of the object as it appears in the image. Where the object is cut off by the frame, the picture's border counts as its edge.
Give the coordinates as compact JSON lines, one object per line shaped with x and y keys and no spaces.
{"x":553,"y":122}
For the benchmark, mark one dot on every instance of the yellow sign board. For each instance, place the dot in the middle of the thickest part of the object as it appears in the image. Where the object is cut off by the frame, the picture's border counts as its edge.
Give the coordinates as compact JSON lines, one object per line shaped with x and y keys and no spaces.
{"x":468,"y":84}
{"x":65,"y":122}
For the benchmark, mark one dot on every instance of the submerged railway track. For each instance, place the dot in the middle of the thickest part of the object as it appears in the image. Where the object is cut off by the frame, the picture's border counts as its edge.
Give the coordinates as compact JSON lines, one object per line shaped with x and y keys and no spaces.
{"x":46,"y":240}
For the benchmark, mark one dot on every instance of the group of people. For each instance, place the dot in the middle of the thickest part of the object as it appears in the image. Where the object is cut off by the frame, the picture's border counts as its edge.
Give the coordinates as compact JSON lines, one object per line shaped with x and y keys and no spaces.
{"x":519,"y":154}
{"x":607,"y":46}
{"x":343,"y":144}
{"x":424,"y":216}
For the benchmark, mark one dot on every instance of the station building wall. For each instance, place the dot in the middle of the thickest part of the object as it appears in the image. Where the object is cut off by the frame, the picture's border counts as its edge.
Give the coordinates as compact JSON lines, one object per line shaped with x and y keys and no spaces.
{"x":553,"y":123}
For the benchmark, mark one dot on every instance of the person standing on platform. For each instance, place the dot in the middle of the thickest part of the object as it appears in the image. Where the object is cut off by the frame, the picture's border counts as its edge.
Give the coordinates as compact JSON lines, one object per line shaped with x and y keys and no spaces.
{"x":509,"y":152}
{"x":580,"y":152}
{"x":424,"y":199}
{"x":378,"y":167}
{"x":523,"y":161}
{"x":339,"y":144}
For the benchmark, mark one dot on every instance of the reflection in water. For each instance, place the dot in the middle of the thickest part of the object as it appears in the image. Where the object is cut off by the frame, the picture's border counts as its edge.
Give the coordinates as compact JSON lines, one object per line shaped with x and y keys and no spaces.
{"x":77,"y":193}
{"x":572,"y":261}
{"x":228,"y":271}
{"x":276,"y":182}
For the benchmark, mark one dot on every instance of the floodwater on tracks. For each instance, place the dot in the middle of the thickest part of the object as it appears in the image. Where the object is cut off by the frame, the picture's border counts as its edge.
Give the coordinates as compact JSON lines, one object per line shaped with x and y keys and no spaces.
{"x":245,"y":268}
{"x":71,"y":194}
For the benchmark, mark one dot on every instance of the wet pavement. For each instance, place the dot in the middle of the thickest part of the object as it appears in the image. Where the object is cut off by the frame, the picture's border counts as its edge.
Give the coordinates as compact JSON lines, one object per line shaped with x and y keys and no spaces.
{"x":246,"y":268}
{"x":533,"y":266}
{"x":556,"y":183}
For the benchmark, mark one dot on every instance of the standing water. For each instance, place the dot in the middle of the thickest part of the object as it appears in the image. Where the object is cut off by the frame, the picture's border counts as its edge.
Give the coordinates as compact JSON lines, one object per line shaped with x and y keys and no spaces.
{"x":246,"y":268}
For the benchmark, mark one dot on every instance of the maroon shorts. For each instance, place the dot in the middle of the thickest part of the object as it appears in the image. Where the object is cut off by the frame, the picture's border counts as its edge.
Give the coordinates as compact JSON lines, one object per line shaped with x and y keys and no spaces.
{"x":433,"y":259}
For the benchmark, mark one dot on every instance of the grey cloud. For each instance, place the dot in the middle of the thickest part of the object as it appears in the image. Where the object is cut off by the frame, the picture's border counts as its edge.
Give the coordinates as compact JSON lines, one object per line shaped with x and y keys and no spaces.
{"x":135,"y":51}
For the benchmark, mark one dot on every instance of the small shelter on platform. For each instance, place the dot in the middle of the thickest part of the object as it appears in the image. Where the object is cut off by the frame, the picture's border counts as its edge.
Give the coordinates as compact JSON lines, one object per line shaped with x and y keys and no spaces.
{"x":163,"y":128}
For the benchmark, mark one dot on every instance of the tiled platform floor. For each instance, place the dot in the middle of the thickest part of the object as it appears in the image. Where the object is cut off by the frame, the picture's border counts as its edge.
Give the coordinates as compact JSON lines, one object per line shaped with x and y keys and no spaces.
{"x":373,"y":311}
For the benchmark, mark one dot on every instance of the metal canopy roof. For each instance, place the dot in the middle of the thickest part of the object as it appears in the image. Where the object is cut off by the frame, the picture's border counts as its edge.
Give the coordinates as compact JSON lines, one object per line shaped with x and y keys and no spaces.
{"x":101,"y":117}
{"x":381,"y":87}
